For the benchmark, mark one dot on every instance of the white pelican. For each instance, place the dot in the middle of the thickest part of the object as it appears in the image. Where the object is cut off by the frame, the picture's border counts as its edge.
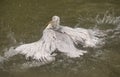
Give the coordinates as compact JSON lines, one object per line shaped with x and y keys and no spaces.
{"x":56,"y":37}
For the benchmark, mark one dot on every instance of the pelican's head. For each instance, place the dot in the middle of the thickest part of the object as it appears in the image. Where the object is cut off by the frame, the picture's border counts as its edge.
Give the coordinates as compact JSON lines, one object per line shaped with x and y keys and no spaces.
{"x":54,"y":22}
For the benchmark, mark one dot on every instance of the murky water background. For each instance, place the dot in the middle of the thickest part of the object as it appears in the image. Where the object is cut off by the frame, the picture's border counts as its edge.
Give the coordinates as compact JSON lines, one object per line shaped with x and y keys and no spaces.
{"x":22,"y":21}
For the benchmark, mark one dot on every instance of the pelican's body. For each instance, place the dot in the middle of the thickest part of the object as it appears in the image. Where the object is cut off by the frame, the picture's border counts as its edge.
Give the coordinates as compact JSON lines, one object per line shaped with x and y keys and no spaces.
{"x":60,"y":38}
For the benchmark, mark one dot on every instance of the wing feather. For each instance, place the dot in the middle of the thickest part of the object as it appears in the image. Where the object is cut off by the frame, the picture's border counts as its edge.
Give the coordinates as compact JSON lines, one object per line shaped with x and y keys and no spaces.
{"x":80,"y":36}
{"x":40,"y":50}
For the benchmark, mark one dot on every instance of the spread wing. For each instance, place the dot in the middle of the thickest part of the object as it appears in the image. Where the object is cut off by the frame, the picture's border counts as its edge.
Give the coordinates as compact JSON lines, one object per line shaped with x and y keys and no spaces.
{"x":80,"y":36}
{"x":40,"y":50}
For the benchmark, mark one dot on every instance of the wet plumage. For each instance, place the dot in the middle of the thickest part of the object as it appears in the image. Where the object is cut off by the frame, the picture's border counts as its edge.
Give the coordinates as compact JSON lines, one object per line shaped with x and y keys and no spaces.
{"x":60,"y":38}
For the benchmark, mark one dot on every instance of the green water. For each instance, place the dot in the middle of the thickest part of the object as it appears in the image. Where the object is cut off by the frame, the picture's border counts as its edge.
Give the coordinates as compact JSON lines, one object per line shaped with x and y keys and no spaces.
{"x":24,"y":21}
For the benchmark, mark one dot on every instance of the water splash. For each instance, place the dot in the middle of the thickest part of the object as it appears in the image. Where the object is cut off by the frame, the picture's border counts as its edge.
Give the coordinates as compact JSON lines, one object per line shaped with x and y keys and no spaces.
{"x":99,"y":36}
{"x":107,"y":19}
{"x":11,"y":37}
{"x":112,"y":32}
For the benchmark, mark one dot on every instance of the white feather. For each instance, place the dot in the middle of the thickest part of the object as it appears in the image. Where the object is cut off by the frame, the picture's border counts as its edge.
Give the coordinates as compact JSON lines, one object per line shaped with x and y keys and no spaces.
{"x":80,"y":36}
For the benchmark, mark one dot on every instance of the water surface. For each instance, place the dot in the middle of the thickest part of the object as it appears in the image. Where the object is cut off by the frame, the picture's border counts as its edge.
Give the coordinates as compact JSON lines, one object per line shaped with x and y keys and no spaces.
{"x":22,"y":21}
